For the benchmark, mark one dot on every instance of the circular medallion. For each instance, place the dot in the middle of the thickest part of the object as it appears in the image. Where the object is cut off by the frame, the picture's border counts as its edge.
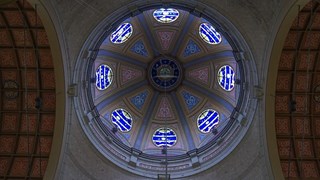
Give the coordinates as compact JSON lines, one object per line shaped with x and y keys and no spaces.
{"x":165,"y":74}
{"x":10,"y":88}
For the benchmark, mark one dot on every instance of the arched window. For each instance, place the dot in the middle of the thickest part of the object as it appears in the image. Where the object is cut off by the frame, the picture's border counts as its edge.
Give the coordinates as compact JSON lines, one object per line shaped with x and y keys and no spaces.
{"x":104,"y":76}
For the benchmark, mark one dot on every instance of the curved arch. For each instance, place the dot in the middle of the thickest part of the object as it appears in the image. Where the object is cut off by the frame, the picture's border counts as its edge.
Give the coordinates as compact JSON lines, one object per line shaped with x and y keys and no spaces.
{"x":60,"y":81}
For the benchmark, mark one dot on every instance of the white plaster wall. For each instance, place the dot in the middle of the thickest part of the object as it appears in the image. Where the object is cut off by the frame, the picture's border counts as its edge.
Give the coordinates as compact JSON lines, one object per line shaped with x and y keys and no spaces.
{"x":258,"y":22}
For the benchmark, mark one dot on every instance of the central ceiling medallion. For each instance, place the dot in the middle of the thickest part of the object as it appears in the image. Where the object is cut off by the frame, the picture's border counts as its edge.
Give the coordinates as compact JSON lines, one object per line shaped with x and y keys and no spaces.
{"x":165,"y":74}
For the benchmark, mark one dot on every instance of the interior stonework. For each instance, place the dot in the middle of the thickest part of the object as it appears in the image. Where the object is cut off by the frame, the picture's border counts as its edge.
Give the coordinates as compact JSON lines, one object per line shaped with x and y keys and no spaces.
{"x":281,"y":139}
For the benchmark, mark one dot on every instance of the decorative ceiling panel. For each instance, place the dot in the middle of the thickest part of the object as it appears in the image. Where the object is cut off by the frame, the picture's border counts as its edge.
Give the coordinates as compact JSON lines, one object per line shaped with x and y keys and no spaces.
{"x":283,"y":82}
{"x":286,"y":60}
{"x":26,"y":125}
{"x":307,"y":60}
{"x":4,"y":38}
{"x":283,"y":125}
{"x":292,"y":40}
{"x":297,"y":112}
{"x":311,"y":41}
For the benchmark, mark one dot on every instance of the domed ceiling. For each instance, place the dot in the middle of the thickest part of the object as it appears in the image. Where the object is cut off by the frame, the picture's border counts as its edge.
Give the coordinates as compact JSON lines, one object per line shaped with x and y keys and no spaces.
{"x":164,"y":75}
{"x":165,"y":93}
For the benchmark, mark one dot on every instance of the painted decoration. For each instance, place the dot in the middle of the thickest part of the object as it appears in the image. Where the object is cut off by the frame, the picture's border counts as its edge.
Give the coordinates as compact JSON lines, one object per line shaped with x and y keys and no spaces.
{"x":200,"y":74}
{"x":164,"y":137}
{"x":104,"y":76}
{"x":165,"y":111}
{"x":190,"y":100}
{"x":226,"y":77}
{"x":207,"y":120}
{"x":139,"y":48}
{"x":122,"y":119}
{"x":209,"y":34}
{"x":165,"y":38}
{"x":10,"y":89}
{"x":129,"y":74}
{"x":191,"y":48}
{"x":139,"y":99}
{"x":122,"y":33}
{"x":168,"y":15}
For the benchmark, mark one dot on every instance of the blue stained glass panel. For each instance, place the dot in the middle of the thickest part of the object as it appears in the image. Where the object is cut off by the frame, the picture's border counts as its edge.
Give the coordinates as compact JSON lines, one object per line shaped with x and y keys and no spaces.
{"x":164,"y":137}
{"x":226,"y":77}
{"x":122,"y":33}
{"x":166,"y":15}
{"x":207,"y":120}
{"x":122,"y":119}
{"x":209,"y":34}
{"x":104,"y":77}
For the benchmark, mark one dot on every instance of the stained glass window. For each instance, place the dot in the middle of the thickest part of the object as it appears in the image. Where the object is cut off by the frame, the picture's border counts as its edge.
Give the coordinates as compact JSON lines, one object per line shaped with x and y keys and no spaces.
{"x":209,"y":34}
{"x":164,"y":137}
{"x":207,"y":120}
{"x":122,"y":33}
{"x":104,"y":77}
{"x":226,"y":77}
{"x":166,"y":15}
{"x":122,"y":119}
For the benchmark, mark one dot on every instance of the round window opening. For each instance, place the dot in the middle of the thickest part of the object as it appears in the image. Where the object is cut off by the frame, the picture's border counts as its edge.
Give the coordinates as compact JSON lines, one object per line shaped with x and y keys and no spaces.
{"x":165,"y":98}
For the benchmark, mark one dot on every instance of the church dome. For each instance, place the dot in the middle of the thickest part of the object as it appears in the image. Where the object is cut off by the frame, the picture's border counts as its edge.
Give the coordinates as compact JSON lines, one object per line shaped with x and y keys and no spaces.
{"x":164,"y":91}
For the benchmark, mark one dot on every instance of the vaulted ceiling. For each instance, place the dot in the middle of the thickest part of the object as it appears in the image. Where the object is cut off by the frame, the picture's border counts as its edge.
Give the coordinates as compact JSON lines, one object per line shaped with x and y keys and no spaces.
{"x":298,"y":97}
{"x":27,"y":93}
